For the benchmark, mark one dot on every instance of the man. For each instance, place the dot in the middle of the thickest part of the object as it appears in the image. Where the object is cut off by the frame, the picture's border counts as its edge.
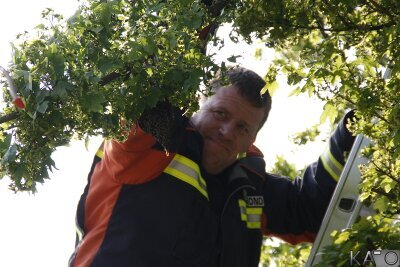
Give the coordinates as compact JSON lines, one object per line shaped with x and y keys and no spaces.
{"x":201,"y":203}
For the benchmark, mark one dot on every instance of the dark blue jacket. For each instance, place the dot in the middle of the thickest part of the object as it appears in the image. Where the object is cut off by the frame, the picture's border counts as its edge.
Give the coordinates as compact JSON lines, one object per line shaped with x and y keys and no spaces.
{"x":145,"y":207}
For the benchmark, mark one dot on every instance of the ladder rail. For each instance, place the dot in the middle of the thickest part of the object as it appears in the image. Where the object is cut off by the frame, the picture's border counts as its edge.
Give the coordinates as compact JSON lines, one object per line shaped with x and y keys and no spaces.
{"x":345,"y":206}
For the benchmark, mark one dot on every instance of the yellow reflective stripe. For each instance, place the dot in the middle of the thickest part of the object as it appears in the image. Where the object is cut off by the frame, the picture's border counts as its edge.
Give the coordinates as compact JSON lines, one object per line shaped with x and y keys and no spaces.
{"x":100,"y":153}
{"x":331,"y":165}
{"x":254,"y":225}
{"x":187,"y":171}
{"x":254,"y":210}
{"x":241,"y":155}
{"x":186,"y":178}
{"x":190,"y":163}
{"x":252,"y":216}
{"x":334,"y":161}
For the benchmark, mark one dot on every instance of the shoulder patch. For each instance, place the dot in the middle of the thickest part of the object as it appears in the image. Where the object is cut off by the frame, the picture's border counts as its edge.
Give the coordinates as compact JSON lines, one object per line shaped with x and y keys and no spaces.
{"x":255,"y":201}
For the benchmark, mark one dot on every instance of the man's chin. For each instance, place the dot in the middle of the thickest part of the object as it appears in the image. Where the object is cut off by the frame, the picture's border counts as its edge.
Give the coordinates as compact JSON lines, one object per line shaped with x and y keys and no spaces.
{"x":213,"y":171}
{"x":214,"y":166}
{"x":210,"y":166}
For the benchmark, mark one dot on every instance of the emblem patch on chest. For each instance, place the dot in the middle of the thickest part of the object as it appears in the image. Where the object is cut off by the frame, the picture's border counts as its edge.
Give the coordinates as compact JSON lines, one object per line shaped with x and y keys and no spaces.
{"x":255,"y":201}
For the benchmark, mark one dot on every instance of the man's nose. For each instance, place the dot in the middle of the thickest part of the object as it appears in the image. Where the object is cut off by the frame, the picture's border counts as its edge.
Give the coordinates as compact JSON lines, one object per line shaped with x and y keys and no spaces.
{"x":227,"y":130}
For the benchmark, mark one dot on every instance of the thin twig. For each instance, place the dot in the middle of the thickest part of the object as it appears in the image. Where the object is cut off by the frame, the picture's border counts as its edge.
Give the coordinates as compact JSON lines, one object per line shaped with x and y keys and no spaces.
{"x":379,"y":169}
{"x":382,"y":193}
{"x":381,"y":9}
{"x":355,"y":27}
{"x":9,"y":117}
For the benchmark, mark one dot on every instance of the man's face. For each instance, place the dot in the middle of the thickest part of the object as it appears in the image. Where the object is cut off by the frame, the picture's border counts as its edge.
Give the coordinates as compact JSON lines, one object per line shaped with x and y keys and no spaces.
{"x":229,"y":125}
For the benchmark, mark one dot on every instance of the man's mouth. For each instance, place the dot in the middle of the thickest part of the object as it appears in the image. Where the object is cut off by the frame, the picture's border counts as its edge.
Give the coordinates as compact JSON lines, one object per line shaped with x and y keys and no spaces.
{"x":220,"y":144}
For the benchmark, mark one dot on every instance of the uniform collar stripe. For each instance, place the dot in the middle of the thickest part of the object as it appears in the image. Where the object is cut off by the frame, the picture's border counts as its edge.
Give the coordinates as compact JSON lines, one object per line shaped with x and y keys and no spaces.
{"x":187,"y":171}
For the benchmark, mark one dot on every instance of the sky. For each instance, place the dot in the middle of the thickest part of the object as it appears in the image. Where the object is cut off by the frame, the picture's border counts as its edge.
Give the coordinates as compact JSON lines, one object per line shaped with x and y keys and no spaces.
{"x":39,"y":230}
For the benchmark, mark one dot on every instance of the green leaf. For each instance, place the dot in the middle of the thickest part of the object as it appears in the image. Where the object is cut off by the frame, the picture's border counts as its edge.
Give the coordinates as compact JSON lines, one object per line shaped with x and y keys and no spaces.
{"x":233,"y":58}
{"x":296,"y":91}
{"x":93,"y":102}
{"x":122,"y":17}
{"x":20,"y":171}
{"x":387,"y":188}
{"x":97,"y":29}
{"x":135,"y":54}
{"x":42,"y":107}
{"x":105,"y":65}
{"x":194,"y":23}
{"x":258,"y":53}
{"x":173,"y":77}
{"x":41,"y":95}
{"x":148,"y":45}
{"x":270,"y":87}
{"x":10,"y":155}
{"x":381,"y":204}
{"x":58,"y":64}
{"x":171,"y":40}
{"x":149,"y":72}
{"x":342,"y":238}
{"x":92,"y":77}
{"x":61,"y":89}
{"x":157,"y":7}
{"x":53,"y":48}
{"x":5,"y":142}
{"x":330,"y":112}
{"x":103,"y":11}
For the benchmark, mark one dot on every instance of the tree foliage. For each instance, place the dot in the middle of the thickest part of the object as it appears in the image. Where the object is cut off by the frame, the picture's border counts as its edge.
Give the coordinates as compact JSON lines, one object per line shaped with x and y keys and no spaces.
{"x":113,"y":59}
{"x":106,"y":64}
{"x":339,"y":51}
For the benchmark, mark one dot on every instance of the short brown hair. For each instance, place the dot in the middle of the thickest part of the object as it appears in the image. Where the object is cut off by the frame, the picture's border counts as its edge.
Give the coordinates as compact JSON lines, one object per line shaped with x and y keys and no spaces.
{"x":249,"y":84}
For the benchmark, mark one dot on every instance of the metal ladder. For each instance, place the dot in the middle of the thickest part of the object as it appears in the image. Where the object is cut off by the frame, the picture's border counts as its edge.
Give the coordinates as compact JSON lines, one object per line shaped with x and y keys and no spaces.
{"x":345,"y":206}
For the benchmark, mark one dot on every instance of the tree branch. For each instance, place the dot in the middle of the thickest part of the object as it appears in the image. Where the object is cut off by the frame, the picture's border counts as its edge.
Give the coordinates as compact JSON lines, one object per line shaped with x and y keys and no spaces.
{"x":9,"y":117}
{"x":216,"y":8}
{"x":382,"y":193}
{"x":379,"y":169}
{"x":381,"y":9}
{"x":346,"y":22}
{"x":355,"y":27}
{"x":110,"y":77}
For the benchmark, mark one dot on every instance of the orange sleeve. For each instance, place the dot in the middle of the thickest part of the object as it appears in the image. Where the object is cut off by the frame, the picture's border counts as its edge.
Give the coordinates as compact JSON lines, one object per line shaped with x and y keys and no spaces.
{"x":134,"y":161}
{"x":290,"y":238}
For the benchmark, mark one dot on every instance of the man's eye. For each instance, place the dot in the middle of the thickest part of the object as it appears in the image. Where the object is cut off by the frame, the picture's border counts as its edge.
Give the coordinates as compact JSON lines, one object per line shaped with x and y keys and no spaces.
{"x":219,"y":114}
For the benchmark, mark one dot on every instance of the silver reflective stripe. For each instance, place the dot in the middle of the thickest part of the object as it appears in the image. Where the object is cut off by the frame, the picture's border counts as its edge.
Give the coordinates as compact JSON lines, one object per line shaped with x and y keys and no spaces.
{"x":188,"y":171}
{"x":79,"y":232}
{"x":252,"y":216}
{"x":331,"y":165}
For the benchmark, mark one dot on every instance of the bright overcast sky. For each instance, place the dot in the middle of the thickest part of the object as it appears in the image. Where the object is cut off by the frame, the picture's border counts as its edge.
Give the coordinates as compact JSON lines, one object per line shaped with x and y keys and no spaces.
{"x":38,"y":230}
